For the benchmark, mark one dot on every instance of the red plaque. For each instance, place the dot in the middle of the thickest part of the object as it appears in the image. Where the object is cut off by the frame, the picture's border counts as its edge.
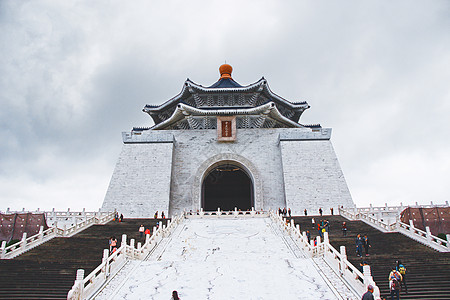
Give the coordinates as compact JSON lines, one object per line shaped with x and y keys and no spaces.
{"x":226,"y":129}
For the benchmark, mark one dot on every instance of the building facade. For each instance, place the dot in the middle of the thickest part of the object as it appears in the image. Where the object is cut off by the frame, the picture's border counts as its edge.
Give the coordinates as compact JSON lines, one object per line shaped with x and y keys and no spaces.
{"x":226,"y":146}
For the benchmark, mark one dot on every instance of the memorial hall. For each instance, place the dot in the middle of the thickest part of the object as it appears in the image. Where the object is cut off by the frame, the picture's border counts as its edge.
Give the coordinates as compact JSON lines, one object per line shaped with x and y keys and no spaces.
{"x":230,"y":147}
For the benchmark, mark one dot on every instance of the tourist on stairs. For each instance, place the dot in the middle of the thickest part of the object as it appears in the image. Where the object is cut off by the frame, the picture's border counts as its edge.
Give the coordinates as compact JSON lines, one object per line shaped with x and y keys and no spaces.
{"x":359,"y":244}
{"x":402,"y":270}
{"x":394,"y":283}
{"x":366,"y":244}
{"x":369,"y":294}
{"x":344,"y":229}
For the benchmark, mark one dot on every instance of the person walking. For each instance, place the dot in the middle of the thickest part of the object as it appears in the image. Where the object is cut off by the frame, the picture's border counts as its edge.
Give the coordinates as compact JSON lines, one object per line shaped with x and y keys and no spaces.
{"x":369,"y":294}
{"x":308,"y":236}
{"x":306,"y":212}
{"x":141,"y":231}
{"x":113,"y":245}
{"x":332,"y":211}
{"x":175,"y":296}
{"x":289,"y":212}
{"x":121,"y":218}
{"x":366,"y":244}
{"x":394,"y":283}
{"x":313,"y":222}
{"x":163,"y":216}
{"x":147,"y":231}
{"x":344,"y":229}
{"x":320,"y":211}
{"x":156,"y":215}
{"x":402,"y":270}
{"x":359,"y":244}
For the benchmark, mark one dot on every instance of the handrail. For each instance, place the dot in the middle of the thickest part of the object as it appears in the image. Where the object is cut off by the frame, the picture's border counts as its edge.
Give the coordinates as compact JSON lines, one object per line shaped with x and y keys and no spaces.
{"x":85,"y":287}
{"x":335,"y":259}
{"x":42,"y":236}
{"x":423,"y":237}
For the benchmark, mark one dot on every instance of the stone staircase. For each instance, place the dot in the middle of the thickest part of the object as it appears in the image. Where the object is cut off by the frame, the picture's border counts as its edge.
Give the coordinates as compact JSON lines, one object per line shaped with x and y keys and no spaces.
{"x":428,"y":275}
{"x":48,"y":271}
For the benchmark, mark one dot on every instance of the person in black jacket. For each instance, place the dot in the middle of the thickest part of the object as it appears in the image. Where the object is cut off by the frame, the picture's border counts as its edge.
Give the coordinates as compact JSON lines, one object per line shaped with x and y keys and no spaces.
{"x":369,"y":294}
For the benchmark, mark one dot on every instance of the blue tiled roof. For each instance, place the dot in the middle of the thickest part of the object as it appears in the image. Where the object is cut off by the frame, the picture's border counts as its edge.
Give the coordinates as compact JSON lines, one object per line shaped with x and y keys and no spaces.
{"x":225,"y":83}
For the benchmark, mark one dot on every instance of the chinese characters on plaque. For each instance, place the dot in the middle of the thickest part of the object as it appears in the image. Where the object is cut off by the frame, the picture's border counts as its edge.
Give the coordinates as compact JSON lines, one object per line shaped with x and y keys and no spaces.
{"x":226,"y":129}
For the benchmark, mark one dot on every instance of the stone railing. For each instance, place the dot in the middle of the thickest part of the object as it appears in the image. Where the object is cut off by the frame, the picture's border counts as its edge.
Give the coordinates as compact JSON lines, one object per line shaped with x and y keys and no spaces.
{"x":423,"y":237}
{"x":337,"y":260}
{"x":42,"y":236}
{"x":86,"y":287}
{"x":56,"y":218}
{"x":226,"y":214}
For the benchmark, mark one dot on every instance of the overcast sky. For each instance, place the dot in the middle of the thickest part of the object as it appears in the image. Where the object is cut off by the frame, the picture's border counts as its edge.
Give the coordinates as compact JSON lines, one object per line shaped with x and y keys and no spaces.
{"x":75,"y":74}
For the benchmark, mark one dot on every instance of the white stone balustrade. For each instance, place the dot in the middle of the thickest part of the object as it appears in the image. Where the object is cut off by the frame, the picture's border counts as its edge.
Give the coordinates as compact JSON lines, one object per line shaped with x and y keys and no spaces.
{"x":113,"y":263}
{"x":226,"y":214}
{"x":424,"y":237}
{"x":337,"y":260}
{"x":28,"y":243}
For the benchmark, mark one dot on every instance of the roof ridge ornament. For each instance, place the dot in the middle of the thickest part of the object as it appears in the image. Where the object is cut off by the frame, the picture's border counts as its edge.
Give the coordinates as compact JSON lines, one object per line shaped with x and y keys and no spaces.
{"x":225,"y":71}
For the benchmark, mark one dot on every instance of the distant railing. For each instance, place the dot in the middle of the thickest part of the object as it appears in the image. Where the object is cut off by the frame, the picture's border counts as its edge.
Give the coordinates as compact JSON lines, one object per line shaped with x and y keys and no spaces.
{"x":86,"y":287}
{"x":42,"y":236}
{"x":424,"y":237}
{"x":226,"y":214}
{"x":335,"y":259}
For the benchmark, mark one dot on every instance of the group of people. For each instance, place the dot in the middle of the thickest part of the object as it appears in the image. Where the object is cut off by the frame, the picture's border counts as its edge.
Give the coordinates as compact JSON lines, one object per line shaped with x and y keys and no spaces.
{"x":397,"y":281}
{"x":320,"y":211}
{"x":118,"y":218}
{"x":360,"y":243}
{"x":163,"y":216}
{"x":283,"y":212}
{"x":322,"y":226}
{"x":143,"y":231}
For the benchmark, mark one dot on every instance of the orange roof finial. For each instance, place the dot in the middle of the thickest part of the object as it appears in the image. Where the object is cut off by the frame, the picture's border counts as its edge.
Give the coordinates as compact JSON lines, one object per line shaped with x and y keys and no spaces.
{"x":225,"y":71}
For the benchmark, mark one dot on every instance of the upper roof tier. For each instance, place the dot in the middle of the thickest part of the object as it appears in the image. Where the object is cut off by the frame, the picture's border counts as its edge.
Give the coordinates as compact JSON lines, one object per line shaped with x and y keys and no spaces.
{"x":226,"y":94}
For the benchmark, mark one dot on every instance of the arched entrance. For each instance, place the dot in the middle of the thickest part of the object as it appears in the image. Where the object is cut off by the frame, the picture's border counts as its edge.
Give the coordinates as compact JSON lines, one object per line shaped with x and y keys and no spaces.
{"x":227,"y":186}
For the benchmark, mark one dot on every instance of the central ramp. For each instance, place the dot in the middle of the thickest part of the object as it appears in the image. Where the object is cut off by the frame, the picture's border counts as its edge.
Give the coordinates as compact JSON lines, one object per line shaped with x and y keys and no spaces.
{"x":239,"y":258}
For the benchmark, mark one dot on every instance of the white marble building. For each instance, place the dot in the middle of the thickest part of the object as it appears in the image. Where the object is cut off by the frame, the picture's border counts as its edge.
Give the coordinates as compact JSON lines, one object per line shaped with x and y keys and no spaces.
{"x":226,"y":146}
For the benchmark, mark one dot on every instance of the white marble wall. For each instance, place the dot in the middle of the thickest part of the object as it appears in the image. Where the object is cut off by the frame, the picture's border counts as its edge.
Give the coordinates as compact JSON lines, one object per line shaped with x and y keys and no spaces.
{"x":140,"y":184}
{"x":154,"y":174}
{"x":313,"y":177}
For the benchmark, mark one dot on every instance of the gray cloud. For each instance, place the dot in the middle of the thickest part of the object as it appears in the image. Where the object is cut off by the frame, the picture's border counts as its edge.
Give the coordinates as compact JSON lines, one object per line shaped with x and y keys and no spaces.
{"x":73,"y":75}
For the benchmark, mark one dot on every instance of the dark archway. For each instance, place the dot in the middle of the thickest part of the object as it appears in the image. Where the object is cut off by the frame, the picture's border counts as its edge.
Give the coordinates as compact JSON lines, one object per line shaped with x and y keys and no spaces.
{"x":227,"y":186}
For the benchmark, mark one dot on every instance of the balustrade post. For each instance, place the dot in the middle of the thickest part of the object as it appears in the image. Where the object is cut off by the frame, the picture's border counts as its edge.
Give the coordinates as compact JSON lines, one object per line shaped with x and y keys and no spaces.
{"x":41,"y":233}
{"x":147,"y":239}
{"x":124,"y":240}
{"x":427,"y":228}
{"x":24,"y":241}
{"x":139,"y":245}
{"x":367,"y":276}
{"x":106,"y":263}
{"x":343,"y":253}
{"x":411,"y":226}
{"x":325,"y":238}
{"x":132,"y":246}
{"x":3,"y":253}
{"x":79,"y":283}
{"x":448,"y":240}
{"x":64,"y":230}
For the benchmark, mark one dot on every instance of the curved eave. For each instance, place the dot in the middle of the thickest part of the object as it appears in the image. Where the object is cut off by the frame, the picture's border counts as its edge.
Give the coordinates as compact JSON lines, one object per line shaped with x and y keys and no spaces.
{"x":268,"y":109}
{"x":294,"y":105}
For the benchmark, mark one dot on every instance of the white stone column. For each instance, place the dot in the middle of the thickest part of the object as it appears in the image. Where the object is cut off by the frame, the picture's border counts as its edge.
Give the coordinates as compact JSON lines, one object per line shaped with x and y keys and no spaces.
{"x":3,"y":252}
{"x":124,"y":240}
{"x":79,"y":283}
{"x":41,"y":233}
{"x":24,"y":241}
{"x":106,"y":263}
{"x":427,"y":228}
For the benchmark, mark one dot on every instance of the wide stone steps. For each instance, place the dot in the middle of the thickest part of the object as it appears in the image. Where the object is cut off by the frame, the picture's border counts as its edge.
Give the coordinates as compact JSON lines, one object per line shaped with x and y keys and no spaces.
{"x":428,"y":275}
{"x":49,"y":271}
